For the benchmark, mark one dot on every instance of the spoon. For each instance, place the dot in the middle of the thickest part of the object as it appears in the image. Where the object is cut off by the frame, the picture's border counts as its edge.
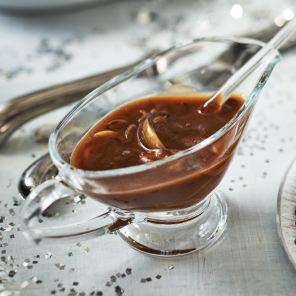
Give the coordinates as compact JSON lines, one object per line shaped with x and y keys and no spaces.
{"x":43,"y":169}
{"x":147,"y":134}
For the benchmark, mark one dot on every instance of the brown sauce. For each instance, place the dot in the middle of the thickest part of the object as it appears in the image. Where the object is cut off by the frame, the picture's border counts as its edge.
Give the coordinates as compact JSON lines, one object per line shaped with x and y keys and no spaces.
{"x":182,"y":127}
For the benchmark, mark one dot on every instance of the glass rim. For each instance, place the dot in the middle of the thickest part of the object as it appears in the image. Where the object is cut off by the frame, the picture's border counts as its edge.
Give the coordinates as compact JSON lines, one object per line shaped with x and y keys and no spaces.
{"x":62,"y":165}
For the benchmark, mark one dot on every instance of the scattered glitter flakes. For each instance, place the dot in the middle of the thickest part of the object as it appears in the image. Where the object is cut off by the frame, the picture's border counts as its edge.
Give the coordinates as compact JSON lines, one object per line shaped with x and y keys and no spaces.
{"x":149,"y":279}
{"x":11,"y":224}
{"x":53,"y":292}
{"x":74,"y":211}
{"x":25,"y":264}
{"x":39,"y":282}
{"x":34,"y":279}
{"x":75,"y":284}
{"x":113,"y":278}
{"x":77,"y":199}
{"x":35,"y":262}
{"x":1,"y":238}
{"x":71,"y":269}
{"x":60,"y":266}
{"x":30,"y":266}
{"x":70,"y":254}
{"x":60,"y":285}
{"x":3,"y":252}
{"x":123,"y":275}
{"x":143,"y":280}
{"x":11,"y":236}
{"x":158,"y":276}
{"x":119,"y":291}
{"x":40,"y":220}
{"x":56,"y":214}
{"x":79,"y":244}
{"x":9,"y":228}
{"x":118,"y":275}
{"x":87,"y":249}
{"x":99,"y":293}
{"x":56,"y":280}
{"x":108,"y":284}
{"x":24,"y":284}
{"x":62,"y":290}
{"x":12,"y":212}
{"x":128,"y":271}
{"x":37,"y":256}
{"x":12,"y":273}
{"x":171,"y":267}
{"x":48,"y":255}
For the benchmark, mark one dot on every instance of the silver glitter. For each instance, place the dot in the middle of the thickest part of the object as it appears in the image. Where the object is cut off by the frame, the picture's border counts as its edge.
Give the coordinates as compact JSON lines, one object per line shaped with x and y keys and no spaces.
{"x":108,"y":284}
{"x":40,"y":220}
{"x":56,"y":214}
{"x":27,"y":260}
{"x":48,"y":255}
{"x":113,"y":278}
{"x":60,"y":266}
{"x":12,"y":273}
{"x":119,"y":291}
{"x":56,"y":280}
{"x":74,"y":211}
{"x":30,"y":266}
{"x":79,"y":244}
{"x":70,"y":254}
{"x":87,"y":249}
{"x":37,"y":256}
{"x":71,"y":269}
{"x":12,"y":212}
{"x":25,"y":264}
{"x":171,"y":267}
{"x":128,"y":271}
{"x":77,"y":199}
{"x":158,"y":276}
{"x":33,"y":279}
{"x":9,"y":228}
{"x":11,"y":224}
{"x":24,"y":284}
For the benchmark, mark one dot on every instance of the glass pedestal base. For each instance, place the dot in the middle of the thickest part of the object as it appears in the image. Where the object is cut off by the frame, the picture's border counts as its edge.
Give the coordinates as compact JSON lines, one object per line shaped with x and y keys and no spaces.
{"x":180,"y":232}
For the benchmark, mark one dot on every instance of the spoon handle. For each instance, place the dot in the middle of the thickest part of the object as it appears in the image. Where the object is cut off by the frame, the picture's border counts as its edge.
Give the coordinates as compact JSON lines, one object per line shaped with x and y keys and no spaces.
{"x":16,"y":112}
{"x":275,"y":43}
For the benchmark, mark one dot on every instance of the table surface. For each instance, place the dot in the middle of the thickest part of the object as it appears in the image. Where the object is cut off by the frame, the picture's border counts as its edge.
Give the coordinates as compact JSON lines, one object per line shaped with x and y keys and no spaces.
{"x":39,"y":51}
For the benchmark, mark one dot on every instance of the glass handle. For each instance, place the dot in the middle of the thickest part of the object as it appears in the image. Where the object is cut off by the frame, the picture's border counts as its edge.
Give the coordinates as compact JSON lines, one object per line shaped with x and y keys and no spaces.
{"x":49,"y":192}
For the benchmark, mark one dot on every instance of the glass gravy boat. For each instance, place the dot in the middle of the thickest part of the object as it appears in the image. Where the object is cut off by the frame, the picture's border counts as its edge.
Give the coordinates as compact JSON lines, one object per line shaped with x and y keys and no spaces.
{"x":168,"y":207}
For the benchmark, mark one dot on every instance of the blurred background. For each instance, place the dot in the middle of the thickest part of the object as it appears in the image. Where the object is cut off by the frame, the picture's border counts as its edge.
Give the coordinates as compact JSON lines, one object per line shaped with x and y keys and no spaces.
{"x":48,"y":42}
